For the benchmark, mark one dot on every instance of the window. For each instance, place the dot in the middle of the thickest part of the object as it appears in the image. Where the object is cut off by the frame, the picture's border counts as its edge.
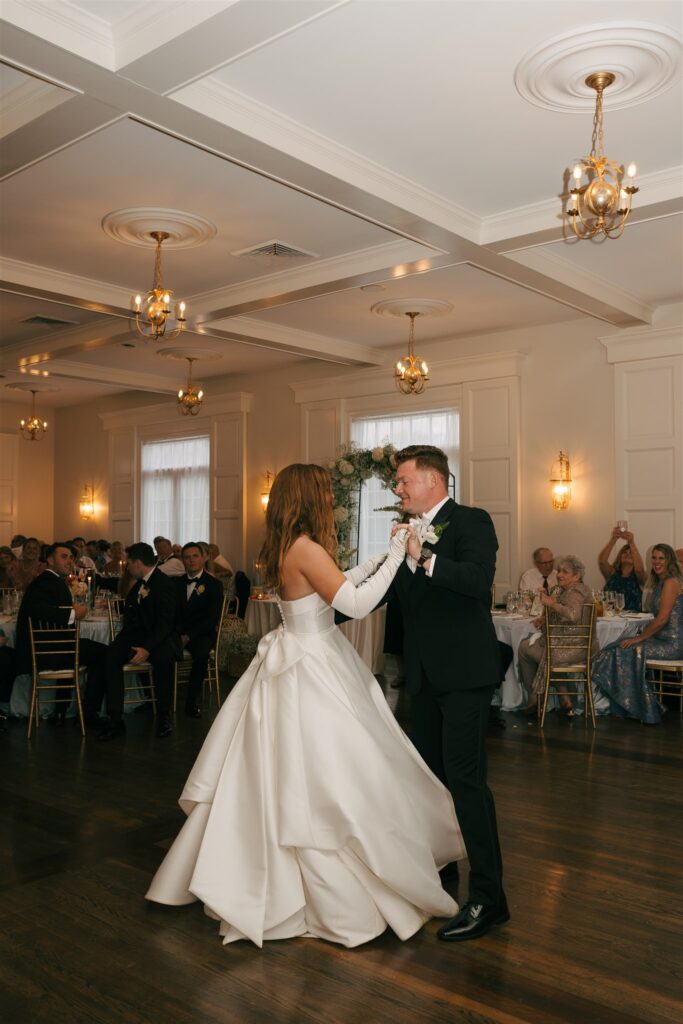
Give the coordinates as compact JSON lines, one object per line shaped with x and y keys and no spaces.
{"x":438,"y":427}
{"x":175,"y":489}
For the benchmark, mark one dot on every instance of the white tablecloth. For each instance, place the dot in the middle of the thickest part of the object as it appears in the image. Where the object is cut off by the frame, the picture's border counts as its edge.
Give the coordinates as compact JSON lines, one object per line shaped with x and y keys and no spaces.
{"x":512,"y":629}
{"x":366,"y":635}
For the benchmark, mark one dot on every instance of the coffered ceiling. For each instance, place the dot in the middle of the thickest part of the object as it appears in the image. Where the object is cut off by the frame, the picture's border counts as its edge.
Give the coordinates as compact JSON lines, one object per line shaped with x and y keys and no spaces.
{"x":408,"y":148}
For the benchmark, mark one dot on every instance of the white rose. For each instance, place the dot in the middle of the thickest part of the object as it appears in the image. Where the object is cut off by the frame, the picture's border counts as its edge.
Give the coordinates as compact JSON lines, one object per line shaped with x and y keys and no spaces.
{"x":430,"y":536}
{"x":346,"y":482}
{"x":341,"y":515}
{"x":346,"y":468}
{"x":378,"y":454}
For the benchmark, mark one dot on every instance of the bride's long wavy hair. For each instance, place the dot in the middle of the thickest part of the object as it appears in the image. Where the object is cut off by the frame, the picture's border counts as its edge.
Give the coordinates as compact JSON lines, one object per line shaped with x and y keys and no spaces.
{"x":300,"y":503}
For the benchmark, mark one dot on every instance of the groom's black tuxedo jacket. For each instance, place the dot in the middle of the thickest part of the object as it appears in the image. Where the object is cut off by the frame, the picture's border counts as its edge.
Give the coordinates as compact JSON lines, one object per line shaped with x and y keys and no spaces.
{"x":449,"y":635}
{"x":199,"y":615}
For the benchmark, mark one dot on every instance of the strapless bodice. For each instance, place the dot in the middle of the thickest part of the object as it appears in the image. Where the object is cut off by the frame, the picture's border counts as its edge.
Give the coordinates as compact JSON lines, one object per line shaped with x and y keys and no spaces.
{"x":307,"y":615}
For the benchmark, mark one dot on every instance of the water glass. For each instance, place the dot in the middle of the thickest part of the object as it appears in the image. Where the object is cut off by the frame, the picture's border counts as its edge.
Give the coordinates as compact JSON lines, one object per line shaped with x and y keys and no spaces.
{"x":511,"y":602}
{"x":622,"y":524}
{"x":619,"y":602}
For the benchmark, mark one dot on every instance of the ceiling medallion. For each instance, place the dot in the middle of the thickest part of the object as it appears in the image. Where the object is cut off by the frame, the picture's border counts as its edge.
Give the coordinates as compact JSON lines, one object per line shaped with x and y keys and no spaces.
{"x":645,"y":60}
{"x":134,"y":226}
{"x":401,"y":307}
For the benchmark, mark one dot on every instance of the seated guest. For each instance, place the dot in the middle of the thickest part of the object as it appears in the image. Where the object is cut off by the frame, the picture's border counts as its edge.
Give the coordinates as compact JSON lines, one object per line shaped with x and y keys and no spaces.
{"x":26,"y":568}
{"x":566,"y":606}
{"x":200,"y":599}
{"x":148,"y":634}
{"x":619,"y":669}
{"x":7,"y":670}
{"x":116,"y":560}
{"x":626,"y":574}
{"x":83,"y":559}
{"x":17,"y":544}
{"x":48,"y":601}
{"x":219,"y":566}
{"x":167,"y":560}
{"x":7,"y":558}
{"x":542,"y":575}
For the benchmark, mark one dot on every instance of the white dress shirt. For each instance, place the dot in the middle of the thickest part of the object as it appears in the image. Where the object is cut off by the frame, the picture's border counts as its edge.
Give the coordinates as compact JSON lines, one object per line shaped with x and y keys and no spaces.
{"x":171,"y":566}
{"x":426,"y":517}
{"x":532,"y":579}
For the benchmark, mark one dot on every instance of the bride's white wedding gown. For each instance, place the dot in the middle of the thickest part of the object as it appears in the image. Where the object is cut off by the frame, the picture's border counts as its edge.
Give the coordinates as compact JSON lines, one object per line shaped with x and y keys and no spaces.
{"x":309,"y":812}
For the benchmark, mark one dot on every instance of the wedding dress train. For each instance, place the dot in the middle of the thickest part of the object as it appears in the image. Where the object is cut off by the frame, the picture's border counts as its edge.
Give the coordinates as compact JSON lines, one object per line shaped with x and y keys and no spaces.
{"x":309,"y":812}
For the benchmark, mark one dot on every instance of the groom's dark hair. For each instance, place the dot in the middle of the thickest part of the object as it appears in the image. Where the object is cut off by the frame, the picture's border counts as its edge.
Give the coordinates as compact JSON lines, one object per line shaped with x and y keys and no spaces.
{"x":426,"y":456}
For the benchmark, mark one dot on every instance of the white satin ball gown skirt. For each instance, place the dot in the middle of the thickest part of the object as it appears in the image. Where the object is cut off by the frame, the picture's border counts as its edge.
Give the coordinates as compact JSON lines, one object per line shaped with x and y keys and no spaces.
{"x":309,"y":812}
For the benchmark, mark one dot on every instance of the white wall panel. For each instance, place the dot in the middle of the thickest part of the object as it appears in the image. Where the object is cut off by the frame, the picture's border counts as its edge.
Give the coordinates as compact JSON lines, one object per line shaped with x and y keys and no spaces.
{"x":321,"y":430}
{"x":8,"y":486}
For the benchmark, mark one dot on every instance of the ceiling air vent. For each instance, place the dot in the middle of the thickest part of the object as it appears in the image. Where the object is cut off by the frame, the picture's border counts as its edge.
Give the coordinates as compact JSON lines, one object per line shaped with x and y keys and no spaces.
{"x":48,"y":321}
{"x":276,"y":250}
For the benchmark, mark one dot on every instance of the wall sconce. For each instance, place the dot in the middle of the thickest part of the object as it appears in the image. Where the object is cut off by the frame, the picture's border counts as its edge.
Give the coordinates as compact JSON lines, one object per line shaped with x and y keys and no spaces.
{"x":86,"y":506}
{"x":265,"y":495}
{"x":561,"y":482}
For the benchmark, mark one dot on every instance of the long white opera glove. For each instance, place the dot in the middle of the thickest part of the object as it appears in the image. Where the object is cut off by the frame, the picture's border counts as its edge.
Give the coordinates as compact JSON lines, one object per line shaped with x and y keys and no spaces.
{"x":358,"y":601}
{"x":361,"y":572}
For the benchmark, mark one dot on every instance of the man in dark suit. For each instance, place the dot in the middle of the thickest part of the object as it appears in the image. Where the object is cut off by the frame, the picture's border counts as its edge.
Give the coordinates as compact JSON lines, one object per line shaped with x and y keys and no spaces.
{"x":453,"y":665}
{"x":148,"y":634}
{"x":48,"y":601}
{"x":200,"y":600}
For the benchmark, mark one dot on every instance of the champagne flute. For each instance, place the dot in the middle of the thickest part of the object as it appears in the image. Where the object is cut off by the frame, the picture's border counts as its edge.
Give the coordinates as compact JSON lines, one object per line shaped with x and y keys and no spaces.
{"x":619,"y":602}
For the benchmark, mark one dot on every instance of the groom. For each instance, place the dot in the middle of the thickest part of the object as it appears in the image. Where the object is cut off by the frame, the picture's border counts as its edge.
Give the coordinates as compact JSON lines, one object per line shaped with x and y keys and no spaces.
{"x":453,"y":665}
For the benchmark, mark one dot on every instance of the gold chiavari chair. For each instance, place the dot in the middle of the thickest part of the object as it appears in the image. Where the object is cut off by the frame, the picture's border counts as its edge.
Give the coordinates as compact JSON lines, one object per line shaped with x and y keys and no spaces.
{"x":666,"y":676}
{"x":137,"y":691}
{"x":576,"y":638}
{"x":50,"y":644}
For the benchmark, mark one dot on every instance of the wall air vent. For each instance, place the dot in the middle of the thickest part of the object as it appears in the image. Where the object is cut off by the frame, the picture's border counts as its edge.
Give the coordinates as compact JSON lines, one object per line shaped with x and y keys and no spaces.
{"x":48,"y":321}
{"x":275,"y":249}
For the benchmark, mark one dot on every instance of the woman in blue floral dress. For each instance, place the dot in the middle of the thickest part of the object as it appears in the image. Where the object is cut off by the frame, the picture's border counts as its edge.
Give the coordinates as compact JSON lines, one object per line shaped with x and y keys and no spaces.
{"x":619,"y":670}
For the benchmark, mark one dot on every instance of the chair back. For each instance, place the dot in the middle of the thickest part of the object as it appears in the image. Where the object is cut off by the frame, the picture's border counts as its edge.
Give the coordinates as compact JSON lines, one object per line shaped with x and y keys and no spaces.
{"x":51,"y":644}
{"x":573,"y":639}
{"x":115,"y":606}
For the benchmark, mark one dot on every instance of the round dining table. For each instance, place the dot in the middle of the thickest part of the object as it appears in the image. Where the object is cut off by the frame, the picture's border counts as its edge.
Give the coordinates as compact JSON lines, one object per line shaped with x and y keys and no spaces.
{"x":511,"y":629}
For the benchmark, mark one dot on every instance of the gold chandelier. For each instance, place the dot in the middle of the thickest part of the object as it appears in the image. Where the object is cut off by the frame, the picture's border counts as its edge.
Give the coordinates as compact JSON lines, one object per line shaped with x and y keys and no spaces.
{"x":601,"y":206}
{"x":190,"y":397}
{"x":33,"y":429}
{"x":153,"y":311}
{"x":411,"y":372}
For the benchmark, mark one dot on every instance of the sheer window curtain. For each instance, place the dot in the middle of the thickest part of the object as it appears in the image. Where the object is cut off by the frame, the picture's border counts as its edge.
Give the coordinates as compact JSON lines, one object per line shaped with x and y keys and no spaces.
{"x":175,"y":489}
{"x":438,"y":427}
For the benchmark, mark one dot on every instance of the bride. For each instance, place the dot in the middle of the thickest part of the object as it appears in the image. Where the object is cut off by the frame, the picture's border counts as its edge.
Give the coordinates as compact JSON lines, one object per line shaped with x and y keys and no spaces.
{"x":309,"y":812}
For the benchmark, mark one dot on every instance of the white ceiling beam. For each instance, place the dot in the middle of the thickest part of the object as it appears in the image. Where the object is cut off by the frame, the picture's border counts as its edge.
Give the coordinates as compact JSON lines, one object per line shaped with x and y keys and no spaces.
{"x":297,"y":342}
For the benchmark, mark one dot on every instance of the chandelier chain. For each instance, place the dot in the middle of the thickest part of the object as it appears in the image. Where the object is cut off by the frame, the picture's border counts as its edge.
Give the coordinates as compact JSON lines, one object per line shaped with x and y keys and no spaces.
{"x":598,"y":137}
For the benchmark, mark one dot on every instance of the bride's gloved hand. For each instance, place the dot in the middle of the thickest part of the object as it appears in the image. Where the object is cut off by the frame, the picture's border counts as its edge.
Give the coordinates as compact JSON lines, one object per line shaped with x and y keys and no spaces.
{"x":358,"y":601}
{"x":361,"y":572}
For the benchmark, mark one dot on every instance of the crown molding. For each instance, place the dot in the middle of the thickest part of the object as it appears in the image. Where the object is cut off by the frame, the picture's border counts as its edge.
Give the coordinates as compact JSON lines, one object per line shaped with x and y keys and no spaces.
{"x":63,"y":25}
{"x":257,"y":120}
{"x":28,"y":101}
{"x":655,"y":343}
{"x":150,"y":415}
{"x":487,"y":366}
{"x":657,"y":187}
{"x":374,"y":259}
{"x":576,"y":276}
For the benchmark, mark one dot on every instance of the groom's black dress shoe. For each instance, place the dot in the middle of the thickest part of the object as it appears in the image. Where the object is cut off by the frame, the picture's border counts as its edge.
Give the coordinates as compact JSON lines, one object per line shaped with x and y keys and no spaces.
{"x":110,"y":730}
{"x":474,"y":919}
{"x":193,"y":710}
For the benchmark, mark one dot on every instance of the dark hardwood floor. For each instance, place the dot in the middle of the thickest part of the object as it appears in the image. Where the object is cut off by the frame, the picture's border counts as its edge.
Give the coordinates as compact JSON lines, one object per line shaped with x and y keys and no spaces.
{"x":591,"y":830}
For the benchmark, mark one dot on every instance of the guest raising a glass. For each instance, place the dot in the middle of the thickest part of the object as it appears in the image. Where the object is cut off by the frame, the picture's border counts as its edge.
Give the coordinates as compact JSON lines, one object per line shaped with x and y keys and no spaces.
{"x":619,"y":670}
{"x":626,"y":574}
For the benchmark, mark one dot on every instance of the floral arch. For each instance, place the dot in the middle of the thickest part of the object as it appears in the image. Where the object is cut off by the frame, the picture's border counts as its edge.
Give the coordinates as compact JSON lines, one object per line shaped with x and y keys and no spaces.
{"x":352,"y":466}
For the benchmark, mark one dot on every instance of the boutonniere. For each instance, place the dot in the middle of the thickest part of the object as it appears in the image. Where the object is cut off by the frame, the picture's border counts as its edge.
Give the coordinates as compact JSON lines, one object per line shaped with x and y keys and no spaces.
{"x":432,"y":534}
{"x":143,"y":591}
{"x":200,"y":589}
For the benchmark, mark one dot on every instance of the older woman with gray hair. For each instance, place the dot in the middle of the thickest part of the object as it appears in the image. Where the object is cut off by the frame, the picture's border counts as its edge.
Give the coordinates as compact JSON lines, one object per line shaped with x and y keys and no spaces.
{"x":565,"y":603}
